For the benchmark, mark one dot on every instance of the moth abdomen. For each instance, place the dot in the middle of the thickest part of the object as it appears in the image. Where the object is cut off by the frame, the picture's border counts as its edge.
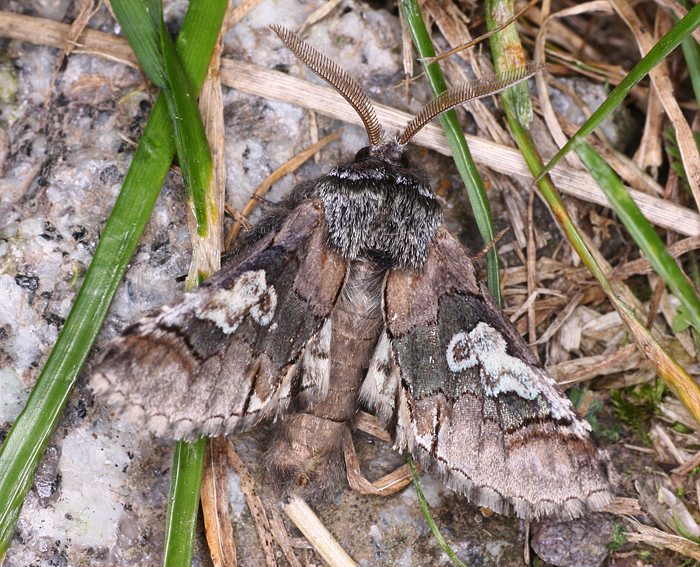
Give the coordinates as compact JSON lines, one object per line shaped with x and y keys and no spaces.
{"x":305,"y":456}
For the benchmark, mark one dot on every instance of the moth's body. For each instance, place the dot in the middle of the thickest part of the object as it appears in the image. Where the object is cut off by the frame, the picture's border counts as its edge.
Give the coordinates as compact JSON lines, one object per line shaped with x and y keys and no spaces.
{"x":306,"y":454}
{"x":350,"y":294}
{"x":368,"y":205}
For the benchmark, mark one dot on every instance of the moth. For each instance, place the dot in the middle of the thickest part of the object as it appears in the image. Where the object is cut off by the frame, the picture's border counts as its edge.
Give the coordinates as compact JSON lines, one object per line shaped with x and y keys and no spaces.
{"x":351,"y":293}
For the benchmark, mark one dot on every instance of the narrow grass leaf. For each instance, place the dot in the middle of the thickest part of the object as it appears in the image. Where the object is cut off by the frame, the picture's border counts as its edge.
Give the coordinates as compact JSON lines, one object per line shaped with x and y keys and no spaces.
{"x":183,"y":503}
{"x":145,"y":29}
{"x":190,"y":139}
{"x":508,"y":54}
{"x":429,"y":518}
{"x":641,"y":231}
{"x":666,"y":44}
{"x":140,"y":23}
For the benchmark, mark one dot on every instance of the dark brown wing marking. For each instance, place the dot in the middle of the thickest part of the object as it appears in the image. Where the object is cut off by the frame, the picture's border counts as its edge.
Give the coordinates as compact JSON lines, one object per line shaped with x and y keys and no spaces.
{"x":233,"y":351}
{"x":474,"y":404}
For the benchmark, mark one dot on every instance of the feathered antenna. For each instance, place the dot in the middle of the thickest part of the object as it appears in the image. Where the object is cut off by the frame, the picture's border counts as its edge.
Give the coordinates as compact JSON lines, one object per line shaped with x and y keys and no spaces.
{"x":464,"y":93}
{"x":337,"y":77}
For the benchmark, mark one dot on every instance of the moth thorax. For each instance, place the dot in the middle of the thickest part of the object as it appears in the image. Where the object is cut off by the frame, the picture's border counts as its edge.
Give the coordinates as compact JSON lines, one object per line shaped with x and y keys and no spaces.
{"x":380,"y":209}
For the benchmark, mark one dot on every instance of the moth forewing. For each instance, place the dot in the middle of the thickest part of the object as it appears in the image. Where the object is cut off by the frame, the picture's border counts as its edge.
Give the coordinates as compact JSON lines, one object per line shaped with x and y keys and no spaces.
{"x":352,"y":292}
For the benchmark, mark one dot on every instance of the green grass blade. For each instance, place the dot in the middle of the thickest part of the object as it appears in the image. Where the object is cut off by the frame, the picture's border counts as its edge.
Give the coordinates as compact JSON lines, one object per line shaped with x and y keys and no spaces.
{"x":25,"y":443}
{"x":144,"y":28}
{"x":183,"y":503}
{"x":691,"y":52}
{"x":666,"y":44}
{"x":428,"y":516}
{"x":140,"y":23}
{"x":508,"y":53}
{"x":193,"y":150}
{"x":641,"y":230}
{"x":458,"y":145}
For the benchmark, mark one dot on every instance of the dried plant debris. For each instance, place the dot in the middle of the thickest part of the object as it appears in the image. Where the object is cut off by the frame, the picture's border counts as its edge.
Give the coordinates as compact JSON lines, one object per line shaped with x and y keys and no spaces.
{"x":100,"y":494}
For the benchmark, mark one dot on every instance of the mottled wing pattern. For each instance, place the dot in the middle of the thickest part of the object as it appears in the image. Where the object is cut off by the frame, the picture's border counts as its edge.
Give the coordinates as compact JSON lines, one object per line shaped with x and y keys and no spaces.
{"x":469,"y":399}
{"x":238,"y":348}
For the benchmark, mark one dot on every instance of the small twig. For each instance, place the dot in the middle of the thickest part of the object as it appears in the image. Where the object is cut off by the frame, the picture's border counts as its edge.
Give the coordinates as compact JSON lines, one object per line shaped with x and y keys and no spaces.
{"x":215,"y":506}
{"x":481,"y":253}
{"x":320,"y":538}
{"x":255,"y":505}
{"x":318,"y":14}
{"x":531,"y":270}
{"x":279,"y":173}
{"x":370,"y":424}
{"x":236,"y":14}
{"x":356,"y":479}
{"x":282,"y":538}
{"x":87,"y":10}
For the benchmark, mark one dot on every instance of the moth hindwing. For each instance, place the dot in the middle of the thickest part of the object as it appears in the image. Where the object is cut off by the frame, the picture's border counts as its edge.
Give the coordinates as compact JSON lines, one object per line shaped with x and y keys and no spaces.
{"x":351,"y":292}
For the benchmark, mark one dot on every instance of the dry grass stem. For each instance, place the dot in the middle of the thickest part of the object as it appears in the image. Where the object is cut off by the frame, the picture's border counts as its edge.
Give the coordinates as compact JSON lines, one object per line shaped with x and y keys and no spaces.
{"x":532,"y":282}
{"x":688,"y":465}
{"x":278,"y":86}
{"x":649,"y":154}
{"x":255,"y":505}
{"x":561,"y":318}
{"x":282,"y":538}
{"x":353,"y":473}
{"x":237,"y":13}
{"x":384,"y":486}
{"x":320,"y":538}
{"x":624,"y":507}
{"x":206,"y":250}
{"x":86,"y":11}
{"x":370,"y":424}
{"x":394,"y":481}
{"x":583,"y":369}
{"x":662,"y":540}
{"x":406,"y":48}
{"x":215,"y":505}
{"x":495,"y":240}
{"x":318,"y":14}
{"x":313,"y":133}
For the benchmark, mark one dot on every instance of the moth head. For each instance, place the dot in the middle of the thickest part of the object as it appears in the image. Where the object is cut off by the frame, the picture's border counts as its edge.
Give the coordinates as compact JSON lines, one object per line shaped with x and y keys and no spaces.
{"x":349,"y":88}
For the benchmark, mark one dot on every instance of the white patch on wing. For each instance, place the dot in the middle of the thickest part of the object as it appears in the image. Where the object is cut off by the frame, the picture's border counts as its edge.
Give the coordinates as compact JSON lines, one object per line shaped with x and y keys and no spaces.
{"x":226,"y":308}
{"x":379,"y":386}
{"x":458,"y":356}
{"x":255,"y":404}
{"x":316,"y":362}
{"x":501,"y":373}
{"x":263,"y":312}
